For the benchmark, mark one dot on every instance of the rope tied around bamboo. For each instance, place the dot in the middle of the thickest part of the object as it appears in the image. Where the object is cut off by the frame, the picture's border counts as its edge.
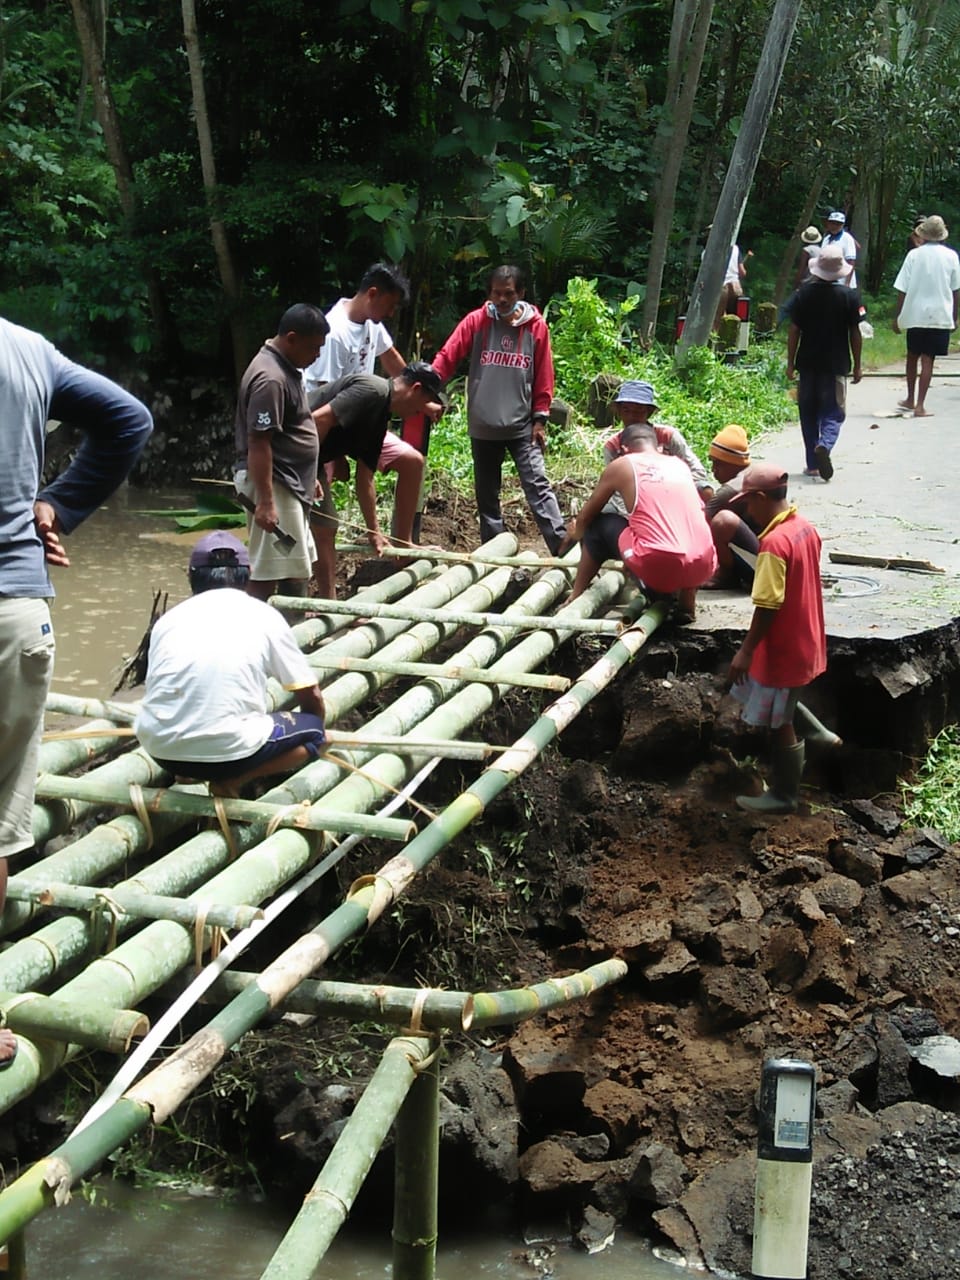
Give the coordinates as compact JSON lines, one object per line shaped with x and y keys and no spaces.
{"x":416,"y":1028}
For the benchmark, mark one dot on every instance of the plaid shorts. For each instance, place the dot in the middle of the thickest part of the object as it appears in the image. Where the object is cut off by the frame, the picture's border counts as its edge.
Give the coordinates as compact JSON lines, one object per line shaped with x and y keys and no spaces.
{"x":764,"y":707}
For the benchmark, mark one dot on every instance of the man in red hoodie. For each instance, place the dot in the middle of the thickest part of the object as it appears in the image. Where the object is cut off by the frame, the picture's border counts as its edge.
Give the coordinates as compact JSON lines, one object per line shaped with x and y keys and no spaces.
{"x":509,"y":392}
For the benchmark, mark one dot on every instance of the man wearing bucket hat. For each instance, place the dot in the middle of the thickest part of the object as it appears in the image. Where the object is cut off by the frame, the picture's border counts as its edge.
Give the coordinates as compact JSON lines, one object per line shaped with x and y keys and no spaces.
{"x":207,"y":708}
{"x":927,"y":286}
{"x":824,"y":345}
{"x":785,"y":646}
{"x":635,"y":403}
{"x":734,"y":537}
{"x":810,"y":239}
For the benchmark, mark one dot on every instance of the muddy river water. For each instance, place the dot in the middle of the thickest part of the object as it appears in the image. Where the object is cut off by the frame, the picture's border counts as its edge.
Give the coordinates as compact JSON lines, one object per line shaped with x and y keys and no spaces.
{"x":119,"y":559}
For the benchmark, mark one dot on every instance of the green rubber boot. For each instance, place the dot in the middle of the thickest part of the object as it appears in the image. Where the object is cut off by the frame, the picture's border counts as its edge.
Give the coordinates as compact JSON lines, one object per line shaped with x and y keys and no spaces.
{"x":783,"y":795}
{"x":812,"y":730}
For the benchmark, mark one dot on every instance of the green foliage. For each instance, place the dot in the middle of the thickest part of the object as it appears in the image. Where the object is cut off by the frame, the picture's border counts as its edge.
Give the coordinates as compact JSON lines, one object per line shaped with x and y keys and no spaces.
{"x":589,"y":337}
{"x":932,"y":799}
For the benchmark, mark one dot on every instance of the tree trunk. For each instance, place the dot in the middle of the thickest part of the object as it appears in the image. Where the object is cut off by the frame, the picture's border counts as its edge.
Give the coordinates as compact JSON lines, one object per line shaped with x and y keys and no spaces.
{"x":788,"y":261}
{"x":87,"y":17}
{"x":229,"y":278}
{"x":736,"y":186}
{"x":85,"y":20}
{"x":691,"y":27}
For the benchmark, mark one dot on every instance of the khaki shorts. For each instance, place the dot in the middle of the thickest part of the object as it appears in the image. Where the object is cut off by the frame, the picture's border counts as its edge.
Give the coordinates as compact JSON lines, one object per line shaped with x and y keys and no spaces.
{"x":269,"y":562}
{"x":26,"y":666}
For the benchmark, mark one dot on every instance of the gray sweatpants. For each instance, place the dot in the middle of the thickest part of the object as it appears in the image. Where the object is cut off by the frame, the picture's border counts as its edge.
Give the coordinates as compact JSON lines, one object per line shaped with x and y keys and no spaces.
{"x":488,"y":458}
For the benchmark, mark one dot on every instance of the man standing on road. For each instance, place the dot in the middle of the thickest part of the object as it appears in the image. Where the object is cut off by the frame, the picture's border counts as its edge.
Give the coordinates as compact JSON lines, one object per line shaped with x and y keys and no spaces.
{"x":276,"y":441}
{"x":927,"y":286}
{"x":358,"y":338}
{"x":836,"y":233}
{"x":351,"y":417}
{"x":509,"y":393}
{"x":823,"y":342}
{"x":37,"y":383}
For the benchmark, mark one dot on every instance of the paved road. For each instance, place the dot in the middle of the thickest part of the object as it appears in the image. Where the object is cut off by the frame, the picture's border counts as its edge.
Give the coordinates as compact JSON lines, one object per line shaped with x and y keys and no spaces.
{"x":895,"y":493}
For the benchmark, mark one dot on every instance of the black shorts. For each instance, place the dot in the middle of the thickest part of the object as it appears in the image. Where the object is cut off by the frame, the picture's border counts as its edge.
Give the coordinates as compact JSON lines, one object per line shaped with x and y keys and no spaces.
{"x":602,"y":537}
{"x":928,"y":342}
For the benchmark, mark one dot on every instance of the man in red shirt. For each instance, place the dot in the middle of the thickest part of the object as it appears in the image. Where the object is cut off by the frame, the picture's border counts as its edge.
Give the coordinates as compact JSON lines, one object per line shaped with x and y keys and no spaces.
{"x":785,"y":647}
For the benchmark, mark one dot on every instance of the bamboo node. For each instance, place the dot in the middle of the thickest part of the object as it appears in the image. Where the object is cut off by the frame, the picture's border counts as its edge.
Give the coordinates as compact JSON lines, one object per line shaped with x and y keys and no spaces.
{"x":316,"y":1194}
{"x":288,"y":812}
{"x":383,"y":894}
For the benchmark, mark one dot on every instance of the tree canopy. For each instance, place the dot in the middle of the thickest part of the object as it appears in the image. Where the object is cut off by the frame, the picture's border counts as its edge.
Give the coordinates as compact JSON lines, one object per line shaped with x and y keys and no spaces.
{"x":173,"y":177}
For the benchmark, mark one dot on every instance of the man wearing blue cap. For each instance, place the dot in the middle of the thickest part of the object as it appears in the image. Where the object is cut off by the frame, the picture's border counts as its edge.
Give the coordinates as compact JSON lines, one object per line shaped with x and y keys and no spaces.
{"x":206,"y":712}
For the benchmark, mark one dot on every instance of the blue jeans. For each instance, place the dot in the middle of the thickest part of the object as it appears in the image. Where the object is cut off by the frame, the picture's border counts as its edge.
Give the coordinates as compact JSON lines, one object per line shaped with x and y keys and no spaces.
{"x":821,"y":400}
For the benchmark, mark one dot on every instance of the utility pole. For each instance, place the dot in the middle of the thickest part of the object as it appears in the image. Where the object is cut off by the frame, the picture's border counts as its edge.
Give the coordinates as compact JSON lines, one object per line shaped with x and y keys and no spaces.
{"x":739,"y":178}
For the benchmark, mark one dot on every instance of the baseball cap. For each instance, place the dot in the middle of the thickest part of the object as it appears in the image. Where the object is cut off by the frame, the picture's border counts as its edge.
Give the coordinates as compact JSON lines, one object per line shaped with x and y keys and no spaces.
{"x":761,"y":477}
{"x":219,"y":548}
{"x":836,"y":216}
{"x":426,"y":375}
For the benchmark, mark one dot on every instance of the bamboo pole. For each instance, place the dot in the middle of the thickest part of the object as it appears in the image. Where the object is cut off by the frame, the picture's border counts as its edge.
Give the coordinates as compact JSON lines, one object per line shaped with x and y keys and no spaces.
{"x":188,"y":804}
{"x":94,"y":1026}
{"x":441,"y":671}
{"x":447,"y":748}
{"x":128,"y":902}
{"x":438,"y":1010}
{"x":526,"y":560}
{"x":117,"y":712}
{"x":526,"y":622}
{"x":54,"y":817}
{"x":329,"y":1200}
{"x":358,"y":1002}
{"x":417,"y":1176}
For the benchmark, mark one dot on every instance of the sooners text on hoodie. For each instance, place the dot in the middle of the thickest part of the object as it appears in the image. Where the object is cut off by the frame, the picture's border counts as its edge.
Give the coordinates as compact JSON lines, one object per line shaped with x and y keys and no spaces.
{"x":511,"y":370}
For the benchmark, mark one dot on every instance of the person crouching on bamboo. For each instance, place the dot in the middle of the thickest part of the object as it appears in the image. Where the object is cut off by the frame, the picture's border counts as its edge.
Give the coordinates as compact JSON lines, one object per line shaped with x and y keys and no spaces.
{"x":205,"y":713}
{"x":664,"y":541}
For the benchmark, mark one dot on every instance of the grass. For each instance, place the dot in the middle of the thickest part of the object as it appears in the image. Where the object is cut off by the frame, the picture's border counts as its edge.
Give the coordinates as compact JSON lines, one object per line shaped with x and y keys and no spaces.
{"x":932,"y":799}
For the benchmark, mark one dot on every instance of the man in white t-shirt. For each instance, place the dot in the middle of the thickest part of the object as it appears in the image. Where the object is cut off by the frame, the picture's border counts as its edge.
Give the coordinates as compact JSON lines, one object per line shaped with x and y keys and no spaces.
{"x":836,"y":233}
{"x":927,"y":287}
{"x":206,"y":709}
{"x":357,"y":339}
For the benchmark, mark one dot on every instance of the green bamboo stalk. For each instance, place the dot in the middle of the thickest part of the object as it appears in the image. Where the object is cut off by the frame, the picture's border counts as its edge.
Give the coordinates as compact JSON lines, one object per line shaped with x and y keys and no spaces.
{"x":359,"y":1003}
{"x":527,"y":622}
{"x":94,"y":1026}
{"x":442,"y":671}
{"x":438,"y":1010}
{"x":525,"y":560}
{"x":74,"y":753}
{"x":332,"y":1195}
{"x":494,"y":1008}
{"x":417,"y":1177}
{"x":56,"y":816}
{"x":117,"y":712}
{"x":128,"y":902}
{"x":163,"y":800}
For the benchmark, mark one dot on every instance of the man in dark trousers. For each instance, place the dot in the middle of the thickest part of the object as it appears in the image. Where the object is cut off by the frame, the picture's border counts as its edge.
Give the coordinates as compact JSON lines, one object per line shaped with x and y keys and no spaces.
{"x":509,"y":393}
{"x":823,"y":345}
